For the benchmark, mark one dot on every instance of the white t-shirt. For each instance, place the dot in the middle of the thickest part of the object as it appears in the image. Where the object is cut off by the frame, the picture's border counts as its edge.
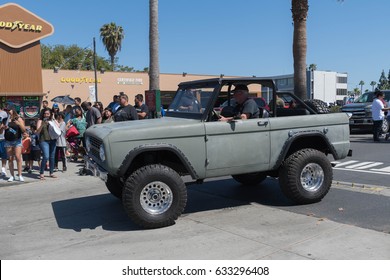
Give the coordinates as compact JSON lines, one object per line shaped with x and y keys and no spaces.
{"x":3,"y":115}
{"x":377,"y":113}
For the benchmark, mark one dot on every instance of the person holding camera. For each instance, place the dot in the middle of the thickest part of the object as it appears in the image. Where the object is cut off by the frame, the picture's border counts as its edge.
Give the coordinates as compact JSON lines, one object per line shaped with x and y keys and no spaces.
{"x":13,"y":131}
{"x":47,"y":144}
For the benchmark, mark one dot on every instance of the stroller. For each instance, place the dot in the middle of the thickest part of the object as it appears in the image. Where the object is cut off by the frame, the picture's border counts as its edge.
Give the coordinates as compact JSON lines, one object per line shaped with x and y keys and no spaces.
{"x":75,"y":148}
{"x":74,"y":144}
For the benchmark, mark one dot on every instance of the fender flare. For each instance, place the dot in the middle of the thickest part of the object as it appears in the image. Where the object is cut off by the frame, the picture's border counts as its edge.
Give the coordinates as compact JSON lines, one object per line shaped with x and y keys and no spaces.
{"x":156,"y":147}
{"x":303,"y":134}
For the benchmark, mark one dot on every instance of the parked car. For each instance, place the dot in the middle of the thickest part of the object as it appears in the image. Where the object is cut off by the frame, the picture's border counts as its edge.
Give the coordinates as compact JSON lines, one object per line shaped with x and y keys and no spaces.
{"x":360,"y":109}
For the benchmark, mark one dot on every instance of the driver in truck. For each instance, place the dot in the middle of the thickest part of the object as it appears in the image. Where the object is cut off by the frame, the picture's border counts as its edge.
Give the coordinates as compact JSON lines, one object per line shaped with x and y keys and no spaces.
{"x":246,"y":107}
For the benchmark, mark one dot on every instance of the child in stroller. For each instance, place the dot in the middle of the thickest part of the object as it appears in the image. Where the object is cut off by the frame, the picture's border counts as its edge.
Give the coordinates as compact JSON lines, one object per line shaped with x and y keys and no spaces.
{"x":75,"y":147}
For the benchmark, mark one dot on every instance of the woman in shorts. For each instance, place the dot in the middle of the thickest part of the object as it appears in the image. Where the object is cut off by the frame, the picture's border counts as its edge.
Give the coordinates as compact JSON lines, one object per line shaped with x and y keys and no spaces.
{"x":13,"y":131}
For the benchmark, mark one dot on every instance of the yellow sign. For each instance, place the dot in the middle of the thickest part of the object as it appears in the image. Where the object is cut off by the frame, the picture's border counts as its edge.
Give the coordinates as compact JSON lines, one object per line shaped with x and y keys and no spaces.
{"x":79,"y":80}
{"x":19,"y":25}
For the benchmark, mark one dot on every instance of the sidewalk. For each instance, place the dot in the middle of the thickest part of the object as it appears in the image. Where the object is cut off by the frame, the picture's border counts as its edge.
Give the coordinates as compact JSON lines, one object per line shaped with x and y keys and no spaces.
{"x":74,"y":217}
{"x":72,"y":168}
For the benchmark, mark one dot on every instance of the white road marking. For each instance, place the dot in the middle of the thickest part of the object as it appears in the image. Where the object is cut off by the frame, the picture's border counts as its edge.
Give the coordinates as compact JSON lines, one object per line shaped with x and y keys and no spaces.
{"x":338,"y":164}
{"x":385,"y":169}
{"x":364,"y":167}
{"x":370,"y":165}
{"x":360,"y":164}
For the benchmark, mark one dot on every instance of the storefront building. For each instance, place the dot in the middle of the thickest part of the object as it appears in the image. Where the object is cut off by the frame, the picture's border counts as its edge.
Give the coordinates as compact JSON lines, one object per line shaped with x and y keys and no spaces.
{"x":82,"y":84}
{"x":20,"y":59}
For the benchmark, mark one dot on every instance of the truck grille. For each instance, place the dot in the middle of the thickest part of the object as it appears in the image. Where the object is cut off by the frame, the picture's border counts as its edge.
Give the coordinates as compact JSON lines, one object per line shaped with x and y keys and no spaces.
{"x":95,"y":146}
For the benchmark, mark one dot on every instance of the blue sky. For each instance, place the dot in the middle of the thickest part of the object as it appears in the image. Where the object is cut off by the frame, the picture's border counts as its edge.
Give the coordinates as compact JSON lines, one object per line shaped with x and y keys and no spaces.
{"x":245,"y":38}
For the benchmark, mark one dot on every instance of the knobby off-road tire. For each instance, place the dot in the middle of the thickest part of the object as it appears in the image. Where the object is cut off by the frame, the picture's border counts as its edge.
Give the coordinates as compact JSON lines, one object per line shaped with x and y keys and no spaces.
{"x":319,"y":106}
{"x":154,"y":196}
{"x":114,"y":186}
{"x":250,"y":178}
{"x":306,"y":176}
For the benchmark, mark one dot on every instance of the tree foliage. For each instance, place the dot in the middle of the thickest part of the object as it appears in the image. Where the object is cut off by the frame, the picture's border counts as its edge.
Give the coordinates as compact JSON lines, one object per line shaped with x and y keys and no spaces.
{"x":112,"y":36}
{"x":70,"y":58}
{"x":383,"y":81}
{"x":75,"y":58}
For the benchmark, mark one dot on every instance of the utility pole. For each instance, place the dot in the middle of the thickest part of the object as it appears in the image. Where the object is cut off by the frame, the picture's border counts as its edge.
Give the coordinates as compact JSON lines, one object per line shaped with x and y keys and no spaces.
{"x":95,"y":66}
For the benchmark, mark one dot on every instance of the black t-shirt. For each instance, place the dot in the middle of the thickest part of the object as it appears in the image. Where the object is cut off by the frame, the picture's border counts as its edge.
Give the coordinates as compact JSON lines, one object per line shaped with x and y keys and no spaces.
{"x":248,"y":107}
{"x":127,"y":113}
{"x":142,"y":109}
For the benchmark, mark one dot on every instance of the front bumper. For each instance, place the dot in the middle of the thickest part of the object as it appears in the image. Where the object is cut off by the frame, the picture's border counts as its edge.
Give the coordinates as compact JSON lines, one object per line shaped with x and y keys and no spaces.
{"x":95,"y":169}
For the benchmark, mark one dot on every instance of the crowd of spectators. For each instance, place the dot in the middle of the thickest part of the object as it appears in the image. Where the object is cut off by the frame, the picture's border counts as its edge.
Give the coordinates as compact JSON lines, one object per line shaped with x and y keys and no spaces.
{"x":48,"y":141}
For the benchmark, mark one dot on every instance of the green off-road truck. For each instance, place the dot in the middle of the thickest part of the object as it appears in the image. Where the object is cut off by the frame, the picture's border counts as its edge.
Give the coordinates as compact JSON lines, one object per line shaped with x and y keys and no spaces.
{"x":142,"y":162}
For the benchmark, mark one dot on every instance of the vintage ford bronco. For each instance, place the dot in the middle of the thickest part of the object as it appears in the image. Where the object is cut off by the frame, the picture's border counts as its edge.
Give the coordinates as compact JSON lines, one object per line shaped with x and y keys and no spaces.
{"x":142,"y":162}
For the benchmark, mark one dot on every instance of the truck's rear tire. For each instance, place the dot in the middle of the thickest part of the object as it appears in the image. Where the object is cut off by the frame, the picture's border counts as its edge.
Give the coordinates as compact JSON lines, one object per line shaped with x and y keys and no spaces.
{"x":306,"y":176}
{"x":154,"y":196}
{"x":250,"y":178}
{"x":114,"y":186}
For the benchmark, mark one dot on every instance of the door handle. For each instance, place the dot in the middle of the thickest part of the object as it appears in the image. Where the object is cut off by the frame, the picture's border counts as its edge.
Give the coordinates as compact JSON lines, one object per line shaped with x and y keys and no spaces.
{"x":262,"y":123}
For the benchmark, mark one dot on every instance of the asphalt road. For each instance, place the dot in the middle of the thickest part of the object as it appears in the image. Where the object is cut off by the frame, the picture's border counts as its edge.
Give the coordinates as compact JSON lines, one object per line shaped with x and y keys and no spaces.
{"x":369,"y":164}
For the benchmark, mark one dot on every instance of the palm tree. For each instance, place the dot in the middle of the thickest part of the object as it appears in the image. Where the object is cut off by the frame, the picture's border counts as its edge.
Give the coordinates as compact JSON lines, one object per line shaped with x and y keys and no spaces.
{"x":361,"y":84}
{"x":154,"y":67}
{"x":313,"y":67}
{"x":373,"y":83}
{"x":112,"y":36}
{"x":299,"y":9}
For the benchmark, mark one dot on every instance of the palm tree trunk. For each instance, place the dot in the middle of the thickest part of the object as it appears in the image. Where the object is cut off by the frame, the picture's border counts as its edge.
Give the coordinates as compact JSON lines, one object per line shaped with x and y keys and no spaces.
{"x":154,"y":67}
{"x":112,"y":62}
{"x":299,"y":13}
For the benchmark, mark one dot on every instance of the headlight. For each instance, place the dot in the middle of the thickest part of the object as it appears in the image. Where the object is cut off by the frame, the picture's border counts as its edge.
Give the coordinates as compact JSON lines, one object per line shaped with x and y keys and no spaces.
{"x":101,"y":153}
{"x":88,"y":144}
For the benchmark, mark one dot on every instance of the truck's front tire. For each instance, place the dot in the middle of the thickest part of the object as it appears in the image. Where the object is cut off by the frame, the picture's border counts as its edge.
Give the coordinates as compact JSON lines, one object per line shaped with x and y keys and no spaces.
{"x":306,"y":176}
{"x":154,"y":196}
{"x":114,"y":186}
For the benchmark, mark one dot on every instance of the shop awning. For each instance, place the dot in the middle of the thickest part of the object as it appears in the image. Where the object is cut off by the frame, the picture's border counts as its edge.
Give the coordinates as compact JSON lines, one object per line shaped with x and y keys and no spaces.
{"x":22,"y":93}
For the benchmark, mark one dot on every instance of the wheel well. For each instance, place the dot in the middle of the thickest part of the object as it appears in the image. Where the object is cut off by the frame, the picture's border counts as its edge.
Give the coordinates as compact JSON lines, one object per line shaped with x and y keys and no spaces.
{"x":165,"y":157}
{"x":313,"y":142}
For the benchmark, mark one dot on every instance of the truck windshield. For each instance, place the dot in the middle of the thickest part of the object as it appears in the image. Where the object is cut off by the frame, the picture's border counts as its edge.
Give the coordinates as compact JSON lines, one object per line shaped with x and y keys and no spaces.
{"x":191,"y":101}
{"x":365,"y":98}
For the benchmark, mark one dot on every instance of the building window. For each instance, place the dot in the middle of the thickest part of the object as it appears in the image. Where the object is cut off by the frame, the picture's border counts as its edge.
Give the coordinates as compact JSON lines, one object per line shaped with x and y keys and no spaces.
{"x":342,"y":80}
{"x":341,"y":91}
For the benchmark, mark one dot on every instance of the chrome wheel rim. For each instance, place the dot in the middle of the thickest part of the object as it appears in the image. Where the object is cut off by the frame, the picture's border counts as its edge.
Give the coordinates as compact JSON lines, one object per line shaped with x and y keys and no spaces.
{"x":312,"y":177}
{"x":156,"y":198}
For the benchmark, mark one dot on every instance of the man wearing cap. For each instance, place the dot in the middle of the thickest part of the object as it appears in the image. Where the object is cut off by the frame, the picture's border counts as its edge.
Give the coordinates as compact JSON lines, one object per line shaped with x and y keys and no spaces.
{"x":378,"y":109}
{"x":246,"y":107}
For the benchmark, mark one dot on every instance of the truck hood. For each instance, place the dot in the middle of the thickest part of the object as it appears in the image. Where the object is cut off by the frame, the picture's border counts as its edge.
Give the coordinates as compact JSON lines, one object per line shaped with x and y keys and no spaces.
{"x":161,"y":128}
